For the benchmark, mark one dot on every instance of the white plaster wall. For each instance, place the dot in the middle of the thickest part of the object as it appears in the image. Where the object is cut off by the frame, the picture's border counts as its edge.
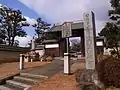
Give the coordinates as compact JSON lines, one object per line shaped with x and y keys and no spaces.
{"x":51,"y":45}
{"x":99,"y":43}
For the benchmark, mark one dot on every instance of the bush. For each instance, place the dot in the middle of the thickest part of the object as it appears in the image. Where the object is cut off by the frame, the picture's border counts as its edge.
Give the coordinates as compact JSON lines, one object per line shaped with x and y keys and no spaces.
{"x":109,"y":71}
{"x":113,"y":52}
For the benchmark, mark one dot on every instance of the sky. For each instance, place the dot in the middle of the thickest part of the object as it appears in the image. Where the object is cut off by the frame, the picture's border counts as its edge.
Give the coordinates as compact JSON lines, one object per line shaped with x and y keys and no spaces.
{"x":57,"y":11}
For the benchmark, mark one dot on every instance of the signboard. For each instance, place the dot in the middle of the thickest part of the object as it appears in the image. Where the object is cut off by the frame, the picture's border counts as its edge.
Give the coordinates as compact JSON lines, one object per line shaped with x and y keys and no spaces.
{"x":66,"y":30}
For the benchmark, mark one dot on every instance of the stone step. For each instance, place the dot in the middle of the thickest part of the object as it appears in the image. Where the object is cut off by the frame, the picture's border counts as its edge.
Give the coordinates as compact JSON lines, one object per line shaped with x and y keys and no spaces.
{"x":9,"y":87}
{"x":26,"y":80}
{"x":34,"y":78}
{"x":18,"y":84}
{"x":33,"y":75}
{"x":2,"y":87}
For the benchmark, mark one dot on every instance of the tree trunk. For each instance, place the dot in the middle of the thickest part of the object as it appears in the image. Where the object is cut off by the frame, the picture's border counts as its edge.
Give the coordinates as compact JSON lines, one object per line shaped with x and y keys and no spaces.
{"x":9,"y":41}
{"x":9,"y":33}
{"x":13,"y":39}
{"x":117,"y":52}
{"x":14,"y":34}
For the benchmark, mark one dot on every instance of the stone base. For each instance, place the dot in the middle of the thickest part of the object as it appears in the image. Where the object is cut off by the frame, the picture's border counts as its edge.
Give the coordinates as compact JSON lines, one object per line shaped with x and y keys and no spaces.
{"x":85,"y":80}
{"x":66,"y":63}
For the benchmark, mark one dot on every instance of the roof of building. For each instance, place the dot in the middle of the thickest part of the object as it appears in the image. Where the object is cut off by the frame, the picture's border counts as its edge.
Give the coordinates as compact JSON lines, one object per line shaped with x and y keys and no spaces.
{"x":75,"y":25}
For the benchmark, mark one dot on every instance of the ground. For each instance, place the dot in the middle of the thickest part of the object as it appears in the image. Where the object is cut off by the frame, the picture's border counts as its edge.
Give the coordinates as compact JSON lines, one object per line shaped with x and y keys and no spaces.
{"x":57,"y":82}
{"x":7,"y":69}
{"x":60,"y":81}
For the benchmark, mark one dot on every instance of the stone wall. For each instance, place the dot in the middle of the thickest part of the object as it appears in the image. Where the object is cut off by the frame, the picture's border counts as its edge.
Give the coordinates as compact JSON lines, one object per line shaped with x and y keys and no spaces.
{"x":11,"y":54}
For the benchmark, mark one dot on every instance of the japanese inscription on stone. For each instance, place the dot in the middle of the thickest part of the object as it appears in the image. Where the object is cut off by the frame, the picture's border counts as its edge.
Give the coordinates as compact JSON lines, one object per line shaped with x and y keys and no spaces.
{"x":66,"y":30}
{"x":89,"y":32}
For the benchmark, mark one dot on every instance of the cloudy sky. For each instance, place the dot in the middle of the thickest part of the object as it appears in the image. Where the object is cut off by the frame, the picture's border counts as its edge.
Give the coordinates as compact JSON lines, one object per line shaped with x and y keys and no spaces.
{"x":55,"y":11}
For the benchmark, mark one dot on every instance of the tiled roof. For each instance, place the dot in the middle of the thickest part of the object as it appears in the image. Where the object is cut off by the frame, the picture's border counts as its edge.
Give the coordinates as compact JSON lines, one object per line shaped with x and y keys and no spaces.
{"x":75,"y":25}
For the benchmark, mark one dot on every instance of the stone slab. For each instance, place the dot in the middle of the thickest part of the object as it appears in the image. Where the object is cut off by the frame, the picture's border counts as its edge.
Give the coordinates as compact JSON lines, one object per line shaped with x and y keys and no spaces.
{"x":2,"y":87}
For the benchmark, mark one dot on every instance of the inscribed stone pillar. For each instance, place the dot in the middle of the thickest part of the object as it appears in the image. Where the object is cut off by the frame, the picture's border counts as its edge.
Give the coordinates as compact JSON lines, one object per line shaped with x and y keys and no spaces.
{"x":33,"y":43}
{"x":89,"y":35}
{"x":87,"y":79}
{"x":21,"y":64}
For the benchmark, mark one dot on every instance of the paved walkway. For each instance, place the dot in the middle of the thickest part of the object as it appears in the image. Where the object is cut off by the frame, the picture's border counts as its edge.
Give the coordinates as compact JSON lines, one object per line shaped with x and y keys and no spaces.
{"x":56,"y":66}
{"x":38,"y":68}
{"x":50,"y":69}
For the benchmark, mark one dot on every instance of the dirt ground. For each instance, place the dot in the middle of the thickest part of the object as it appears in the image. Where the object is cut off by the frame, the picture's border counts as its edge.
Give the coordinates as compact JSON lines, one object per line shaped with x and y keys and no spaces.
{"x":57,"y":82}
{"x":7,"y":69}
{"x":60,"y":81}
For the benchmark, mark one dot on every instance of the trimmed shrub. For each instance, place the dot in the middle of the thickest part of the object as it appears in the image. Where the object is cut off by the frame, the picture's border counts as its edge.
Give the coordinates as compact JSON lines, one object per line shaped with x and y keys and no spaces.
{"x":109,"y":71}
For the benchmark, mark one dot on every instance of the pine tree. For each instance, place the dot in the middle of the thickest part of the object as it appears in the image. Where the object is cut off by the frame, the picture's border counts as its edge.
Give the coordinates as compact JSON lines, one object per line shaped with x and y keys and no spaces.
{"x":11,"y":23}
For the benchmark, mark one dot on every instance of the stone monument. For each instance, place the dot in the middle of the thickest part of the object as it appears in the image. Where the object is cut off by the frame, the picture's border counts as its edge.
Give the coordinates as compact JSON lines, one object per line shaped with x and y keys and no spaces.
{"x":33,"y":44}
{"x":87,"y":77}
{"x":89,"y":35}
{"x":21,"y":64}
